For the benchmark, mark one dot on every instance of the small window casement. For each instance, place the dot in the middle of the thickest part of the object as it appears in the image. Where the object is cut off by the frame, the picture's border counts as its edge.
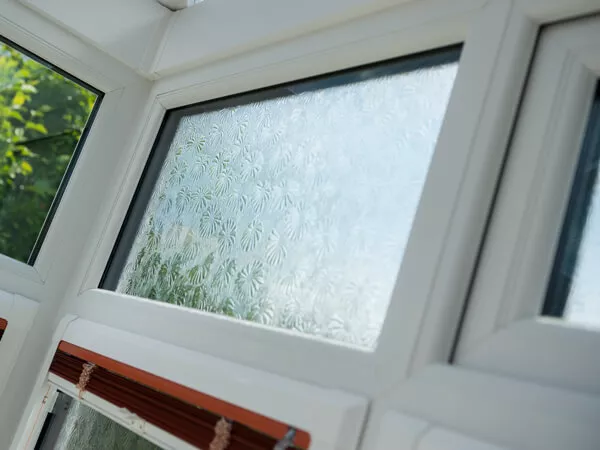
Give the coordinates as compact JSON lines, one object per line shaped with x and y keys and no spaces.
{"x":534,"y":310}
{"x":45,"y":115}
{"x":289,"y":206}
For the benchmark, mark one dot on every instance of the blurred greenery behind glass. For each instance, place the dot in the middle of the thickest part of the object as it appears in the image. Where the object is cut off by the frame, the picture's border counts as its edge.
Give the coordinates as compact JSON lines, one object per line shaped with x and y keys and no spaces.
{"x":42,"y":117}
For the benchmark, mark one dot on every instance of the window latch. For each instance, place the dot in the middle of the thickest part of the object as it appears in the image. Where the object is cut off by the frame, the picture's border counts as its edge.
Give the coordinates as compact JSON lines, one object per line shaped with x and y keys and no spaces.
{"x":287,"y":441}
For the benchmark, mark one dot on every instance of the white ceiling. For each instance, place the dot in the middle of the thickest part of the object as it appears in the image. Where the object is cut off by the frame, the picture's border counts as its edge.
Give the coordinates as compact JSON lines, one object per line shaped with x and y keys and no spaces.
{"x":155,"y":41}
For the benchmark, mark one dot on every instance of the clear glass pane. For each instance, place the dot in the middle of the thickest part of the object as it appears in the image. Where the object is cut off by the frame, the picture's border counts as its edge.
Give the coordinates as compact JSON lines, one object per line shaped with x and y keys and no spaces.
{"x":292,"y":209}
{"x":42,"y":117}
{"x":574,"y":289}
{"x":83,"y":428}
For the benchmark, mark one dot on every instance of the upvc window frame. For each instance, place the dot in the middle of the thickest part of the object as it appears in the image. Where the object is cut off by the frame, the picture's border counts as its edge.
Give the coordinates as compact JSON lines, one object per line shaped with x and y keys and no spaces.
{"x":114,"y":80}
{"x":504,"y":330}
{"x":452,"y":180}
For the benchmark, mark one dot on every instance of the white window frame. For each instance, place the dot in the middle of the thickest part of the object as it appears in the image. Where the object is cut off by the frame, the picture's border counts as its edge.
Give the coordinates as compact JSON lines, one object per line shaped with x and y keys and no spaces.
{"x":100,"y":71}
{"x":471,"y":122}
{"x":503,"y":330}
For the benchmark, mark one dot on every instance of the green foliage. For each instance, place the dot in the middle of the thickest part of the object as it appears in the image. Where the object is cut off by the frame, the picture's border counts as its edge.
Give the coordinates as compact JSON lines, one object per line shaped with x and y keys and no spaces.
{"x":167,"y":279}
{"x":42,"y":115}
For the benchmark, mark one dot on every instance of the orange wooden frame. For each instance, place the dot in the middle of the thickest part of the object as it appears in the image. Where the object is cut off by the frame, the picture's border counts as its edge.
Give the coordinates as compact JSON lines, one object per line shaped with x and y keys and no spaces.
{"x":3,"y":323}
{"x":258,"y":422}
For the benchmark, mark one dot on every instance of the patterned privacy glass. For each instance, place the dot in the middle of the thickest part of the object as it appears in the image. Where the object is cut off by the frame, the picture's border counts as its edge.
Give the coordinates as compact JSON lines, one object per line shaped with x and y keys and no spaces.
{"x":292,"y":207}
{"x":574,"y":290}
{"x":43,"y":117}
{"x":86,"y":429}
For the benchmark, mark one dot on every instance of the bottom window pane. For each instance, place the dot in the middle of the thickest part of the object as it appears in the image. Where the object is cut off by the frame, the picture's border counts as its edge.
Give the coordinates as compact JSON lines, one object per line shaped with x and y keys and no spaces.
{"x":75,"y":426}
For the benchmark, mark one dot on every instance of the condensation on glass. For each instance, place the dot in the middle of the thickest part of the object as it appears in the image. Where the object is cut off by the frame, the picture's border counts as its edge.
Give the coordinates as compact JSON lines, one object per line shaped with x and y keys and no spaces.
{"x":43,"y":119}
{"x":290,"y":207}
{"x":75,"y":426}
{"x":574,"y":288}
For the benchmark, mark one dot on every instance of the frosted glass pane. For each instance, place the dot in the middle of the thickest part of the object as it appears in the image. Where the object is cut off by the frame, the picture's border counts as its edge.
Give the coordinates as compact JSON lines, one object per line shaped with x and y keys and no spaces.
{"x":293,"y":211}
{"x":86,"y":429}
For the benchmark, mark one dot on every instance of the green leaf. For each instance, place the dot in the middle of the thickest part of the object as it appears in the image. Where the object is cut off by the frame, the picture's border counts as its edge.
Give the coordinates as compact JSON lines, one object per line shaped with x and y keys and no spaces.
{"x":19,"y":99}
{"x":26,"y":167}
{"x":37,"y":127}
{"x":15,"y":115}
